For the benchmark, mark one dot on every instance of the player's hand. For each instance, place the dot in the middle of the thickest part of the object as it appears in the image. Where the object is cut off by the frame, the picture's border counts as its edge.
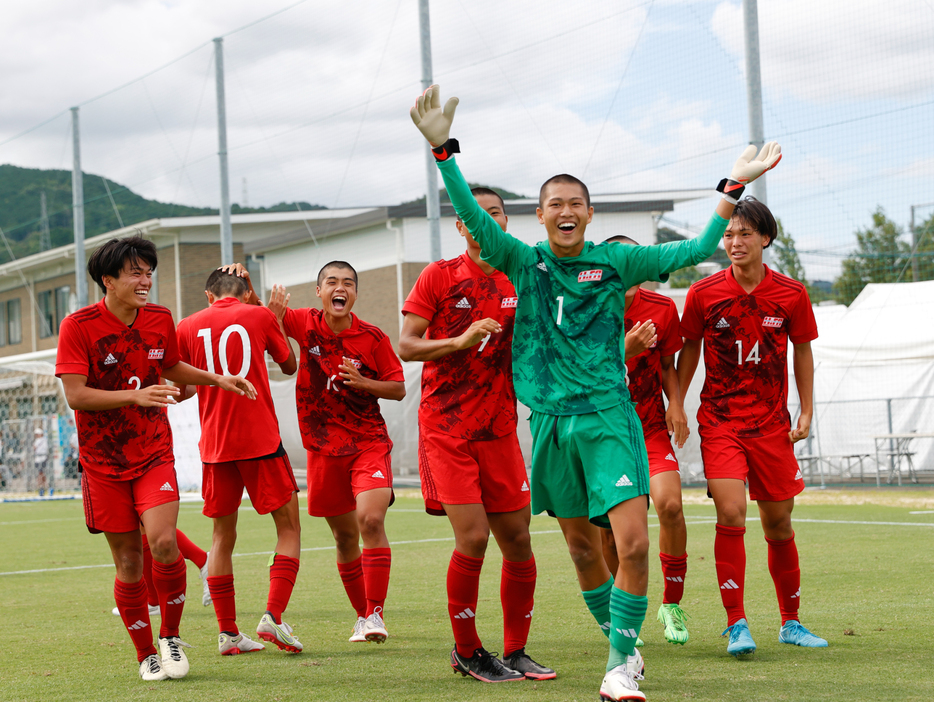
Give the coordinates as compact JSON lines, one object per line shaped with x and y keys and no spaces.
{"x":234,"y":383}
{"x":239,"y":270}
{"x":802,"y":431}
{"x":278,"y":301}
{"x":748,"y":166}
{"x":677,"y":422}
{"x":477,"y":332}
{"x":156,"y":396}
{"x":350,"y":375}
{"x":433,"y":122}
{"x":640,"y":338}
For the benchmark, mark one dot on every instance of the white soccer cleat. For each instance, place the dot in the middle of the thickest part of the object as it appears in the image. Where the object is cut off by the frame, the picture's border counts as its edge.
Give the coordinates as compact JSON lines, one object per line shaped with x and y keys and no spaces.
{"x":635,"y":664}
{"x":241,"y":643}
{"x":620,"y":684}
{"x":151,"y":669}
{"x":153,"y":611}
{"x":205,"y":590}
{"x":174,"y":660}
{"x":375,"y":629}
{"x":279,"y":634}
{"x":358,"y":636}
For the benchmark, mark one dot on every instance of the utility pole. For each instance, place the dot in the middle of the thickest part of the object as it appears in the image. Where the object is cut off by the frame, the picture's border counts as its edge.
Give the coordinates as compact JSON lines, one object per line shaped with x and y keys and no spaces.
{"x":45,"y":236}
{"x":226,"y":231}
{"x":77,"y":207}
{"x":431,"y":198}
{"x":754,"y":98}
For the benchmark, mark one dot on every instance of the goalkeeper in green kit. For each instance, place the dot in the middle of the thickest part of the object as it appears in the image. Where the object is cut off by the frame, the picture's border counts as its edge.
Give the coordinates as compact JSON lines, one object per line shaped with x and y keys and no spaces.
{"x":589,"y":464}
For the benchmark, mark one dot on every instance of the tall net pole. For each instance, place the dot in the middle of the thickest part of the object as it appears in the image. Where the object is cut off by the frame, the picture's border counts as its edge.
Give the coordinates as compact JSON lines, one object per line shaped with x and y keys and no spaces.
{"x":754,"y":98}
{"x":77,"y":206}
{"x":226,"y":231}
{"x":432,"y":201}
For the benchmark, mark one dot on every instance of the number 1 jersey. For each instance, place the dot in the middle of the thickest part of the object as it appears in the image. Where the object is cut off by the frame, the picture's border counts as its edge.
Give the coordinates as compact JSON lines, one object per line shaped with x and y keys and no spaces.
{"x":746,"y":348}
{"x":231,"y":338}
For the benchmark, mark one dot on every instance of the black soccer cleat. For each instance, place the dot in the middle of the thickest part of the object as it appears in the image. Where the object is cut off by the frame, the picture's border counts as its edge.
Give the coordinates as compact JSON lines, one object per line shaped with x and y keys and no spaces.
{"x":483,"y":666}
{"x":521,"y":662}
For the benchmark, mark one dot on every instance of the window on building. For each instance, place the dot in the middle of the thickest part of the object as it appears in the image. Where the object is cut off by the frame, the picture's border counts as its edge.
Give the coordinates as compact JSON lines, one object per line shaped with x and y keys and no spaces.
{"x":62,"y":305}
{"x":14,"y":321}
{"x":46,"y":309}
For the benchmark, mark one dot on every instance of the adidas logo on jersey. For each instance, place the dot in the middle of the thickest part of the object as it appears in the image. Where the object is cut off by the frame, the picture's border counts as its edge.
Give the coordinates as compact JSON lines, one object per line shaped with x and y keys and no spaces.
{"x":723,"y":324}
{"x":465,"y":614}
{"x":542,"y":266}
{"x":110,"y":360}
{"x":140,"y":624}
{"x":463,"y":304}
{"x":378,"y":474}
{"x":624,"y":482}
{"x":729,"y":585}
{"x":177,"y":601}
{"x":631,"y":633}
{"x":798,"y":475}
{"x":525,"y":486}
{"x":167,"y":487}
{"x":797,"y":595}
{"x":674,"y":578}
{"x":315,"y":350}
{"x":670,"y":457}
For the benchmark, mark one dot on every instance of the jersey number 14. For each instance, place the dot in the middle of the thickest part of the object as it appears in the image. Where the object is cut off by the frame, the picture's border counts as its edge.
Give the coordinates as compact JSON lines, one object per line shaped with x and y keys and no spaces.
{"x":753,"y":356}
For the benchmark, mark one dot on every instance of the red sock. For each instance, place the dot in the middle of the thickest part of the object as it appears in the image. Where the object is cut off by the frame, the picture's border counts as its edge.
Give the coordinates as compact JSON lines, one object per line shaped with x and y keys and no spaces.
{"x":463,"y":588}
{"x":282,"y":573}
{"x":225,"y":603}
{"x":786,"y":574}
{"x":673,"y":568}
{"x":517,"y":594}
{"x":352,"y":577}
{"x":376,"y":563}
{"x":729,"y":552}
{"x":131,"y":603}
{"x":170,"y":581}
{"x":147,"y":573}
{"x":191,"y":551}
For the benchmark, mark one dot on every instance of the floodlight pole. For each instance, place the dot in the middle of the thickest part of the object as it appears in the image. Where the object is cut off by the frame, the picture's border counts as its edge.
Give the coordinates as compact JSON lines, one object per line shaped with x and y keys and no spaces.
{"x":431,"y":199}
{"x":77,"y":208}
{"x":754,"y":98}
{"x":226,"y":231}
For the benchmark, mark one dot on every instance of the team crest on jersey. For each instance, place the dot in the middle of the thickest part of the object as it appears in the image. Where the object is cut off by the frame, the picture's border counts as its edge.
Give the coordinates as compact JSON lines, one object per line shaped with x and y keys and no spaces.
{"x":590,"y":276}
{"x":773,"y":322}
{"x":156,"y":354}
{"x":355,"y":363}
{"x":509,"y":303}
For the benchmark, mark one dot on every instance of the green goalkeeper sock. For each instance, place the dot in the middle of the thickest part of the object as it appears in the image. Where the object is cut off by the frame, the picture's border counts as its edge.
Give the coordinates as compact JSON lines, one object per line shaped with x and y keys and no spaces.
{"x":627,"y":613}
{"x":598,"y":602}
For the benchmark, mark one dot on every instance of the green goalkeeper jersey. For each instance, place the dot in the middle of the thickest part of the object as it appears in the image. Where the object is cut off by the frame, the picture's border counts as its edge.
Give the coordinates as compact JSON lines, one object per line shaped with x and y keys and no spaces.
{"x":570,"y":317}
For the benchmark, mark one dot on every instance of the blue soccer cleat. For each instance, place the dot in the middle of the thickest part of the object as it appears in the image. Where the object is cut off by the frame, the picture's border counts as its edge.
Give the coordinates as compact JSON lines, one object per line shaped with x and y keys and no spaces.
{"x":740,"y":639}
{"x":795,"y":634}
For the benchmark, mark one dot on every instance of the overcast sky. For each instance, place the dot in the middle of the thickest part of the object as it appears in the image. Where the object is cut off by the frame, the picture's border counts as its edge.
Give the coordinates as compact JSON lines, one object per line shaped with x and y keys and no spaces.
{"x":630,"y":95}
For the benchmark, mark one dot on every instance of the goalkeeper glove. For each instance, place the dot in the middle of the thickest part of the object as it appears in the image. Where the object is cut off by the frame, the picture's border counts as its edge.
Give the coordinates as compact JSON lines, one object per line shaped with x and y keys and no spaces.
{"x":433,"y":122}
{"x":747,"y":169}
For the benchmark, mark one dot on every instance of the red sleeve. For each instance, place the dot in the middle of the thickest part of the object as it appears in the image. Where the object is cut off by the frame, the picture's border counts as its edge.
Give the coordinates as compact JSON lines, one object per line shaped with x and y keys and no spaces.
{"x":670,"y":336}
{"x":72,"y":356}
{"x":388,"y":366}
{"x":692,"y":321}
{"x":276,"y":344}
{"x":423,"y":300}
{"x":293,"y":322}
{"x":803,"y":325}
{"x":183,"y":351}
{"x":171,"y":346}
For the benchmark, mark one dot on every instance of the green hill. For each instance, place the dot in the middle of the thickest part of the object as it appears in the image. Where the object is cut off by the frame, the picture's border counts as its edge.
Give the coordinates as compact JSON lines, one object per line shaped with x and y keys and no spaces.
{"x":20,"y":192}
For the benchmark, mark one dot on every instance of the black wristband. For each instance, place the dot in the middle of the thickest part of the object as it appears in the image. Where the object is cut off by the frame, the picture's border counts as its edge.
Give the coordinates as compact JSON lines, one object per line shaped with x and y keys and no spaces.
{"x":731,"y":189}
{"x":446,"y":150}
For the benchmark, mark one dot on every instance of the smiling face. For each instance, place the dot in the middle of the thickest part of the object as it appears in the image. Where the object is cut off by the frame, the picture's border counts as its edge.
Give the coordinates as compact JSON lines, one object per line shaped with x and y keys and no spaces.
{"x":565,"y":213}
{"x":338,"y":291}
{"x":744,"y":244}
{"x":131,"y":288}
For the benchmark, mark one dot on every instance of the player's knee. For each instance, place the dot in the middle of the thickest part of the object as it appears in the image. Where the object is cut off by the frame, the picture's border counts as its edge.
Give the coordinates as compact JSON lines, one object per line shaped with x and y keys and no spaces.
{"x":669,"y":510}
{"x":162,"y":546}
{"x":583,"y":554}
{"x":731,"y":514}
{"x":371,"y":525}
{"x":472,"y":542}
{"x":130,"y":567}
{"x":633,"y":550}
{"x":224,"y":540}
{"x":346,"y":538}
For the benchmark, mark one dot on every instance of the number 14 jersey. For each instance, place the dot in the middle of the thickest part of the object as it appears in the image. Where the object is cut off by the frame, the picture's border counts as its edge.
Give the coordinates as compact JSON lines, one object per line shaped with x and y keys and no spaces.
{"x":746,"y":348}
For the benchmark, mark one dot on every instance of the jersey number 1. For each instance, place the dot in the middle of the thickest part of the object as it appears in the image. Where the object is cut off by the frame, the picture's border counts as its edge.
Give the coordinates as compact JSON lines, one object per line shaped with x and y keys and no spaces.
{"x":560,"y":299}
{"x":237,"y":329}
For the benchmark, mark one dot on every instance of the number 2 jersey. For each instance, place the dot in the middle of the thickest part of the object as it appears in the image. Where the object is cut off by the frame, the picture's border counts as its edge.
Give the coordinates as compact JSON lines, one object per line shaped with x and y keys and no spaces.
{"x":125,"y":442}
{"x":467,"y":394}
{"x":746,"y":348}
{"x":231,"y":338}
{"x":334,"y":418}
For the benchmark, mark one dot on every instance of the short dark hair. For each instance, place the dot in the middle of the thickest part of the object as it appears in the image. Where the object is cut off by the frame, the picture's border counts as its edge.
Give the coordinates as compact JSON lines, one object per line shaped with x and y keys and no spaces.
{"x":563,"y":178}
{"x":622,"y":239}
{"x":480,"y":190}
{"x":336,"y":264}
{"x":221,"y":284}
{"x":110,"y":258}
{"x":757,"y":216}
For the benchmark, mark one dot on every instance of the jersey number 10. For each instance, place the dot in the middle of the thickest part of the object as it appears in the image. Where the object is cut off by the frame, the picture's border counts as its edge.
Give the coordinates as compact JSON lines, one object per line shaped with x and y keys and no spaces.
{"x":237,"y":329}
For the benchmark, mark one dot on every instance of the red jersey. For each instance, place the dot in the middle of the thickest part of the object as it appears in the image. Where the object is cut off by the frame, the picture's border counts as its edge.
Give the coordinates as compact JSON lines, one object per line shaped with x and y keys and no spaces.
{"x":467,"y":394}
{"x":231,"y":338}
{"x":645,"y":370}
{"x":746,"y":348}
{"x":335,"y":419}
{"x":121,"y":443}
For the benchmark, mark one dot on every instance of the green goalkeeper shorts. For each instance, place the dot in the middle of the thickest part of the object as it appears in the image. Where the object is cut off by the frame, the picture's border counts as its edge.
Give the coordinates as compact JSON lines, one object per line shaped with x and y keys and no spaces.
{"x":585,"y":464}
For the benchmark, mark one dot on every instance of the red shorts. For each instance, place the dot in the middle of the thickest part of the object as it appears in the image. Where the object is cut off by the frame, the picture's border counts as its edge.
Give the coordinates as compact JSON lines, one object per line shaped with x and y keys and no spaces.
{"x":662,"y":456}
{"x":767,"y":463}
{"x":114,"y":506}
{"x":463,"y":472}
{"x":335,"y":481}
{"x":269,"y":482}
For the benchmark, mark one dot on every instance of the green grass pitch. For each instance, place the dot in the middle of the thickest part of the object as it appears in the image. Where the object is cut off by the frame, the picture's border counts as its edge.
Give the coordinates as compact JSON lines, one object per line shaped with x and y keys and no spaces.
{"x":866,"y":580}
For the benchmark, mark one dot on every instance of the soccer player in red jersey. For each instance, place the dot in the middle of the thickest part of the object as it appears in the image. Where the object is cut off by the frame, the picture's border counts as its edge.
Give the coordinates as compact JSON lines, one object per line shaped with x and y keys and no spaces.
{"x":111,"y":357}
{"x":650,"y":371}
{"x":346,"y":366}
{"x":459,"y":321}
{"x":241,"y":447}
{"x":745,"y":316}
